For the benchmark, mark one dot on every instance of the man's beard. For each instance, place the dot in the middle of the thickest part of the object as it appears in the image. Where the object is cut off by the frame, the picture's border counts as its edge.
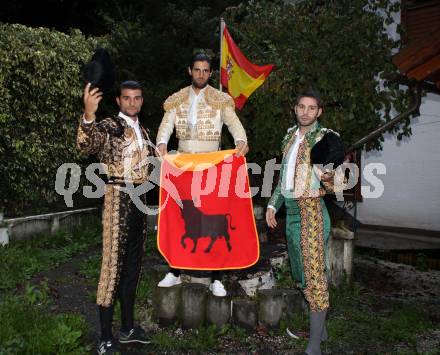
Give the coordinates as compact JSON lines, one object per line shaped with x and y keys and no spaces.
{"x":126,"y":113}
{"x":308,"y":119}
{"x":199,"y":86}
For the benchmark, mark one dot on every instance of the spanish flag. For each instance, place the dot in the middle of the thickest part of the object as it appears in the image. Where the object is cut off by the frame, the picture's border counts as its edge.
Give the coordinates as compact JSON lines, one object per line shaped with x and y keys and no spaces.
{"x":238,"y":74}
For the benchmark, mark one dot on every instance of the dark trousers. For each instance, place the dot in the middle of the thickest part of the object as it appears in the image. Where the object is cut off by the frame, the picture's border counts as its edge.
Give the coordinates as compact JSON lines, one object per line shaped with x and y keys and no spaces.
{"x":131,"y":249}
{"x":215,"y":274}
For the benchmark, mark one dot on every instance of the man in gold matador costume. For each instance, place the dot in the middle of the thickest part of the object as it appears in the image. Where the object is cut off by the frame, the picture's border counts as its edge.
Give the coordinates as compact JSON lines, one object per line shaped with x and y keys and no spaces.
{"x":122,"y":146}
{"x":301,"y":187}
{"x":197,"y":113}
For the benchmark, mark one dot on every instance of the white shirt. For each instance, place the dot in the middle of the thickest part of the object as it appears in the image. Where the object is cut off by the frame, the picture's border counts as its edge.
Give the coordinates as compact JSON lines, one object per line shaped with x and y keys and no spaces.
{"x":193,"y":103}
{"x":289,"y":177}
{"x":135,"y":125}
{"x":289,"y":173}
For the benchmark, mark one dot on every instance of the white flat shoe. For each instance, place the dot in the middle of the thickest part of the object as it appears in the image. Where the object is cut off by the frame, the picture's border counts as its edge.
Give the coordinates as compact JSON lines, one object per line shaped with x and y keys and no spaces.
{"x":170,"y":280}
{"x":217,"y":289}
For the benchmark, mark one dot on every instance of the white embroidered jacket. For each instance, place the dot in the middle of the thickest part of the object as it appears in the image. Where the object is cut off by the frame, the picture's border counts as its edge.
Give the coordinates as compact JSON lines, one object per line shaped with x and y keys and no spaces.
{"x":213,"y":109}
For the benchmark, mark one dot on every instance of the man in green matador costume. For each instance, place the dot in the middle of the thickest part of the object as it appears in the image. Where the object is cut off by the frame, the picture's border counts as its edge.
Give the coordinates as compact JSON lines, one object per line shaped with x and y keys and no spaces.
{"x":301,"y":187}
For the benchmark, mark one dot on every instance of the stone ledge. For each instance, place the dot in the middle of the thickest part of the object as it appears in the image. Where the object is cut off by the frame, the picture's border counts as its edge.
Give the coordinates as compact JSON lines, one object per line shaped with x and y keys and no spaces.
{"x":22,"y":228}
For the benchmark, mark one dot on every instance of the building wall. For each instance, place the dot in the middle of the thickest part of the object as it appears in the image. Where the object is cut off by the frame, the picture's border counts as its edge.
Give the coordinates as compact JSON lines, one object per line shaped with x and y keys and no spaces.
{"x":411,"y":196}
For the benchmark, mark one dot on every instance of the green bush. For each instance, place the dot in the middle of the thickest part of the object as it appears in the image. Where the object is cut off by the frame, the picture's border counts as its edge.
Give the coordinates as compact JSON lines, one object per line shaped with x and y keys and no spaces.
{"x":40,"y":102}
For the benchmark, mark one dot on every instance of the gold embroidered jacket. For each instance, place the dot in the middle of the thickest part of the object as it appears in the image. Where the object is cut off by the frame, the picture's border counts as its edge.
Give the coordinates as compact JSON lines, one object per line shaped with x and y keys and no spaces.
{"x":214,"y":109}
{"x":306,"y":182}
{"x":117,"y":148}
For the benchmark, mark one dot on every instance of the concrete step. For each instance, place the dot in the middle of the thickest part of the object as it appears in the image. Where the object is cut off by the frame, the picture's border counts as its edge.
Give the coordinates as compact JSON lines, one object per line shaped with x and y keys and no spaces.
{"x":388,"y":240}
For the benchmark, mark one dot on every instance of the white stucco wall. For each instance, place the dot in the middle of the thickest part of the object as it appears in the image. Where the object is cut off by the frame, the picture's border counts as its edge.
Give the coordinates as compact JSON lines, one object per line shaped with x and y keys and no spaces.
{"x":411,"y":196}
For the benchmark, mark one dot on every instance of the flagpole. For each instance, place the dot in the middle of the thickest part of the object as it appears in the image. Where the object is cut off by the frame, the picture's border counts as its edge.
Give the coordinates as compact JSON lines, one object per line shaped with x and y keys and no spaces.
{"x":222,"y":27}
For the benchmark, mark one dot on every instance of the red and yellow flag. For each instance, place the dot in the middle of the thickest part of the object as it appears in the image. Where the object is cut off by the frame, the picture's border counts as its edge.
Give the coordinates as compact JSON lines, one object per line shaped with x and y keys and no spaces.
{"x":238,"y":74}
{"x":206,"y":219}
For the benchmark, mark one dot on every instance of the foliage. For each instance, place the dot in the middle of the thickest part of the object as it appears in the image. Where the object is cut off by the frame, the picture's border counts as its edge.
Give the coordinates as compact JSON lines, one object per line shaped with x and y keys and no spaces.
{"x":40,"y":91}
{"x":356,"y":312}
{"x":90,"y":267}
{"x":283,"y":276}
{"x":154,"y":42}
{"x":337,"y":47}
{"x":202,"y":339}
{"x":27,"y":325}
{"x":27,"y":328}
{"x":21,"y":260}
{"x":151,"y":244}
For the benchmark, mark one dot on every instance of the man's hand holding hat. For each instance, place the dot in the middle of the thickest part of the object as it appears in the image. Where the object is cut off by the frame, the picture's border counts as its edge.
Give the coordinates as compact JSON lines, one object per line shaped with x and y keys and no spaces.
{"x":91,"y":102}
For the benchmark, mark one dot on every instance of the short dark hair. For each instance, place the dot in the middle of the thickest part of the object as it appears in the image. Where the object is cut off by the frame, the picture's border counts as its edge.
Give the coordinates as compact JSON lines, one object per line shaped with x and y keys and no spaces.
{"x":129,"y":84}
{"x":310,"y":93}
{"x":200,"y":57}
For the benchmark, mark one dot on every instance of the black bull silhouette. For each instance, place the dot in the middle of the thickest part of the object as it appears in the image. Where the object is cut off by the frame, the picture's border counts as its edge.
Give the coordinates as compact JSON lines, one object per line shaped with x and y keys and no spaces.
{"x":198,"y":225}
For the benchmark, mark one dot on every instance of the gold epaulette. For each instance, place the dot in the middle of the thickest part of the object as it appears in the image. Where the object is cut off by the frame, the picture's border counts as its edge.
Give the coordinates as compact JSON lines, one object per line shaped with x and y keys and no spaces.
{"x":176,"y":99}
{"x":218,"y":100}
{"x":215,"y":98}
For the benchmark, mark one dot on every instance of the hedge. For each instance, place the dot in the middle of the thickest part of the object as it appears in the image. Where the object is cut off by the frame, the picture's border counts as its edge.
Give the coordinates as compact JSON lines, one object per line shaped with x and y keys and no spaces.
{"x":40,"y":101}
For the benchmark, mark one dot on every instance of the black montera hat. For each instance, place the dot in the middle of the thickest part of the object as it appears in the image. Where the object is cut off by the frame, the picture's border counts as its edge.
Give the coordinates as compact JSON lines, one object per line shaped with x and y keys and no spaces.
{"x":329,"y":149}
{"x":100,"y":71}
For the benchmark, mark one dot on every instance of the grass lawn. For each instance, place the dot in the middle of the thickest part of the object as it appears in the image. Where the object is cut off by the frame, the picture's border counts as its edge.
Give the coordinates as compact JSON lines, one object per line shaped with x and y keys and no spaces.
{"x":27,"y":325}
